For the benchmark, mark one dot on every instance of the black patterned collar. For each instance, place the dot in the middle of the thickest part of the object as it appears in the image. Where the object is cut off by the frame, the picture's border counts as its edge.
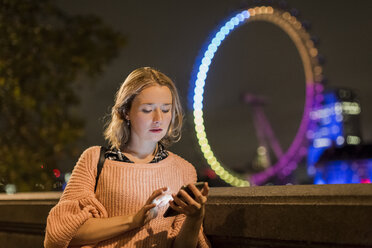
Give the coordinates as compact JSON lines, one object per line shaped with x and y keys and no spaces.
{"x":115,"y":154}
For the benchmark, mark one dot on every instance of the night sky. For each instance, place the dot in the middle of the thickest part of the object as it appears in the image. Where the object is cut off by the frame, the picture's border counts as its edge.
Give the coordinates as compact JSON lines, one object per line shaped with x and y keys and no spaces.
{"x":258,"y":58}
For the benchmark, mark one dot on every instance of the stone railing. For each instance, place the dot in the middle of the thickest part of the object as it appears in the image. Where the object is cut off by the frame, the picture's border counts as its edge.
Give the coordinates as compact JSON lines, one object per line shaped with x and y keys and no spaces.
{"x":290,"y":216}
{"x":23,"y":218}
{"x":272,"y":216}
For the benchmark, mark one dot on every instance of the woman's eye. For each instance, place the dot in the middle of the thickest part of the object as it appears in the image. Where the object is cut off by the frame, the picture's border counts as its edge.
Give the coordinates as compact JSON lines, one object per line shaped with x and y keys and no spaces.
{"x":165,"y":110}
{"x":146,"y":110}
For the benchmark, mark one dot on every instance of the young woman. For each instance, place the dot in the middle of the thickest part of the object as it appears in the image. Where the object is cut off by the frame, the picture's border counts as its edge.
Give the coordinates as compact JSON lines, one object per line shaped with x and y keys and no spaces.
{"x":138,"y":170}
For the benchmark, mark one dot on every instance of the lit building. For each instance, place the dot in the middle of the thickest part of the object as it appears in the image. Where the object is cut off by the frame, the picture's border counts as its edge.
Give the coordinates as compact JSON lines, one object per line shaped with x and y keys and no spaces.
{"x":346,"y":164}
{"x":335,"y":125}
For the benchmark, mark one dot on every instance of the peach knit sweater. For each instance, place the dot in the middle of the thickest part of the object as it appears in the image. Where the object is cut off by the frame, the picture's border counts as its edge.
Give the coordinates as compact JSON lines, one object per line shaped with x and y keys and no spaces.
{"x":123,"y":188}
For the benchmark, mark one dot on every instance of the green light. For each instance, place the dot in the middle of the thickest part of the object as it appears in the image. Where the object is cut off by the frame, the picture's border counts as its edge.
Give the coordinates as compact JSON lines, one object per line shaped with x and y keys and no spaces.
{"x":199,"y":128}
{"x":211,"y":160}
{"x":198,"y":113}
{"x":202,"y":135}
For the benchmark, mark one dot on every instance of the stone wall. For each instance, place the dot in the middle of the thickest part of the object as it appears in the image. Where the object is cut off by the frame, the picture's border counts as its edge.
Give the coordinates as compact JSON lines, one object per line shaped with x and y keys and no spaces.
{"x":291,"y":216}
{"x":270,"y":216}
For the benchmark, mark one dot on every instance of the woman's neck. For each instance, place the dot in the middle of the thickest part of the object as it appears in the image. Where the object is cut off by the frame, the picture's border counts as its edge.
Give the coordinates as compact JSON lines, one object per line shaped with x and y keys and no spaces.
{"x":140,"y":153}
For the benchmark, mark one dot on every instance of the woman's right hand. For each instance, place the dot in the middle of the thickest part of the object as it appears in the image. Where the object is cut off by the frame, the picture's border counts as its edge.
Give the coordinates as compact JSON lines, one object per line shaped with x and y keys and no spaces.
{"x":143,"y":216}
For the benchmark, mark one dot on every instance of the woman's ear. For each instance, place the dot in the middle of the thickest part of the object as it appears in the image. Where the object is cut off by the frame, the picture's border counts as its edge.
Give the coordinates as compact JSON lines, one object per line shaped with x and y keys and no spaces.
{"x":127,"y":119}
{"x":125,"y":115}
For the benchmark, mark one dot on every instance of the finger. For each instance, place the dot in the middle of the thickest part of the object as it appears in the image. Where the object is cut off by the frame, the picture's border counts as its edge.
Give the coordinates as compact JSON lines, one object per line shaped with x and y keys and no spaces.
{"x":176,"y":208}
{"x":195,"y":191}
{"x":164,"y":189}
{"x":178,"y":201}
{"x":198,"y":195}
{"x":155,"y":194}
{"x":148,"y":207}
{"x":205,"y":190}
{"x":188,"y":199}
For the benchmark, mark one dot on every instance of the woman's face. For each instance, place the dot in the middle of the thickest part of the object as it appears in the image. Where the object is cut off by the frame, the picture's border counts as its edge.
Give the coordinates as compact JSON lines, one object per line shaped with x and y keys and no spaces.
{"x":151,"y":114}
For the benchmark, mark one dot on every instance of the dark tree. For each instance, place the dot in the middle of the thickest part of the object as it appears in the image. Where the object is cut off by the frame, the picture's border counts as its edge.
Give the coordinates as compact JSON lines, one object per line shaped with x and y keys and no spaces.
{"x":43,"y":51}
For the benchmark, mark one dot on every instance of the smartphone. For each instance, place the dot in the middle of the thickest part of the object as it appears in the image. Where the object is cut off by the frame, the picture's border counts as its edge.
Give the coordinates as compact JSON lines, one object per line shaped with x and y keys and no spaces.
{"x":170,"y":211}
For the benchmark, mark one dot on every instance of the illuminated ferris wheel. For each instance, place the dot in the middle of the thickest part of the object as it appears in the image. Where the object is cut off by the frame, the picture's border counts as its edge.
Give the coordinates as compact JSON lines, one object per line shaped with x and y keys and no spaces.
{"x":288,"y":160}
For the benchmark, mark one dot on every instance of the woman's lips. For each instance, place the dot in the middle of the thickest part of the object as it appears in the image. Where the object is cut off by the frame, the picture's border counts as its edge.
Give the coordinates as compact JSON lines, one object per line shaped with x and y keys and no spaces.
{"x":156,"y":130}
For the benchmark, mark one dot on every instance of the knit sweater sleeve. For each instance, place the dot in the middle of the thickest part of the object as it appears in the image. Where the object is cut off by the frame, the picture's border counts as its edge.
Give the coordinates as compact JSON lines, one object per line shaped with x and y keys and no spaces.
{"x":189,"y":176}
{"x":77,"y":203}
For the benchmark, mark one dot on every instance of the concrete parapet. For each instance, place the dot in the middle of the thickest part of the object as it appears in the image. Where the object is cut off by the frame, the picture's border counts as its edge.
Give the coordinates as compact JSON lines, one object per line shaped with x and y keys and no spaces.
{"x":265,"y":216}
{"x":290,"y":216}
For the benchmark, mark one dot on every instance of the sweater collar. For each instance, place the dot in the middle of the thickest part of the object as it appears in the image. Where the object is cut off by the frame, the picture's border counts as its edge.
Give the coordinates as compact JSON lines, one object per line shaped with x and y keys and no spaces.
{"x":115,"y":154}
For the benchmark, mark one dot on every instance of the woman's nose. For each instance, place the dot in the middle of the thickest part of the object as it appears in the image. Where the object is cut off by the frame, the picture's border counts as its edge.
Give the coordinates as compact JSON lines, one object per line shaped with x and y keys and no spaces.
{"x":158,"y":115}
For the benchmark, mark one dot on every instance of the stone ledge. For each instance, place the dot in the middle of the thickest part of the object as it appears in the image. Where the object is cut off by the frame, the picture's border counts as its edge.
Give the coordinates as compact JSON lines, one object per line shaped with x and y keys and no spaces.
{"x":335,"y":215}
{"x":32,"y":198}
{"x":267,"y":216}
{"x":343,"y":194}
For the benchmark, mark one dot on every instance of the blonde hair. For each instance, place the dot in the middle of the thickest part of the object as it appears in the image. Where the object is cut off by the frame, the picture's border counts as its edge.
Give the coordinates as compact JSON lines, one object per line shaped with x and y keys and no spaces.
{"x":117,"y":131}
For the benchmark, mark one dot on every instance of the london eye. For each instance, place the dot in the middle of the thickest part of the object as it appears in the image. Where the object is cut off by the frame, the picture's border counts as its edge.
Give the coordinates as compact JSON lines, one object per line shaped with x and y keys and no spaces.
{"x":286,"y":160}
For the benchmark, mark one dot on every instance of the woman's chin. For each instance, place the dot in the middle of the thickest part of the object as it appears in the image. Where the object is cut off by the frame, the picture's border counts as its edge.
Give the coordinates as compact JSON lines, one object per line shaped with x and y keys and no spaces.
{"x":156,"y":137}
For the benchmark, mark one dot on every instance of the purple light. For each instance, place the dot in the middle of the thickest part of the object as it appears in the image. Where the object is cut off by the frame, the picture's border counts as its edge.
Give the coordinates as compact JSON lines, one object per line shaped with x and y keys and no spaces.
{"x":319,"y":88}
{"x":303,"y":151}
{"x":319,"y":98}
{"x":292,"y":154}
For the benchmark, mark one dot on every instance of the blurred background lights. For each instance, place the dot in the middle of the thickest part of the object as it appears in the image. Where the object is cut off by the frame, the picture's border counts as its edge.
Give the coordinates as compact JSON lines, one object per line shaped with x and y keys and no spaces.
{"x":365,"y":180}
{"x":352,"y":140}
{"x":351,"y":108}
{"x":67,"y":176}
{"x":339,"y":118}
{"x":10,"y":189}
{"x":314,"y":90}
{"x":40,"y":186}
{"x":57,"y":173}
{"x":198,"y":99}
{"x":340,"y":140}
{"x":322,"y":142}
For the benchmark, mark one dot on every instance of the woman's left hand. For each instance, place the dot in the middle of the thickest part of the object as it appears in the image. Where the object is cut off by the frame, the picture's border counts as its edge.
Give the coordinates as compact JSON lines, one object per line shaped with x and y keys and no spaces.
{"x":191,"y":207}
